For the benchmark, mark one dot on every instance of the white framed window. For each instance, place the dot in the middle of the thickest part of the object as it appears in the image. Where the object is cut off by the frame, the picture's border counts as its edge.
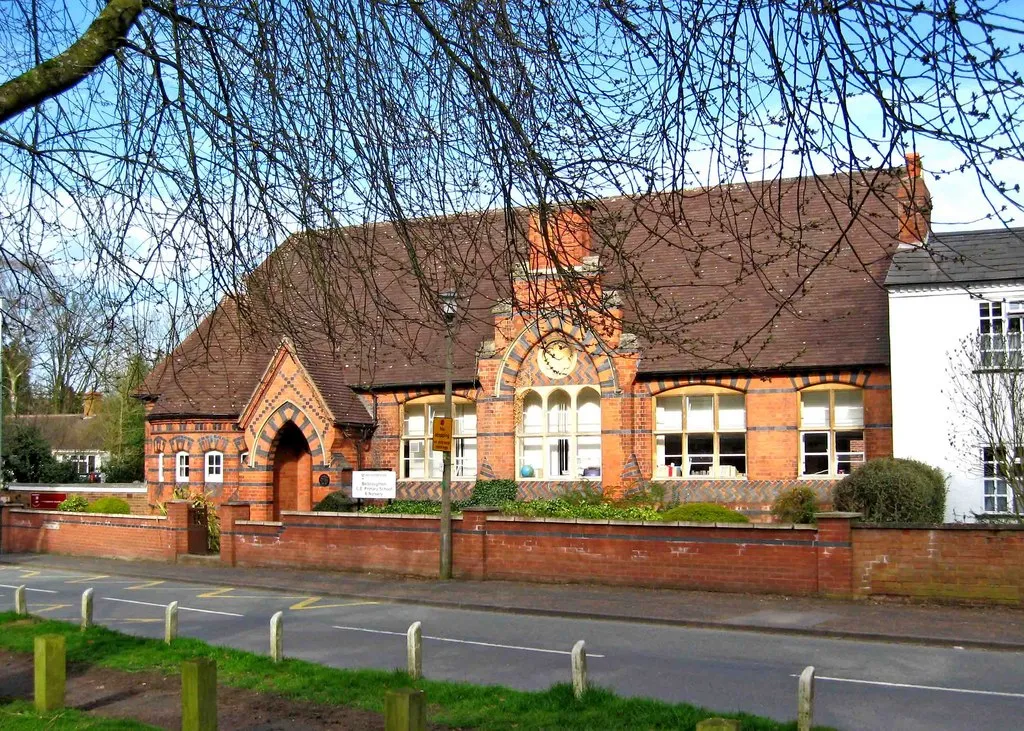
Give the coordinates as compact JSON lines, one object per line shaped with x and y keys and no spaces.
{"x":996,"y":462}
{"x":1000,"y":326}
{"x":85,"y":464}
{"x":831,"y":431}
{"x":243,"y":459}
{"x":159,"y":466}
{"x":419,"y":460}
{"x":558,"y":434}
{"x":214,"y":467}
{"x":701,"y":433}
{"x":181,"y":467}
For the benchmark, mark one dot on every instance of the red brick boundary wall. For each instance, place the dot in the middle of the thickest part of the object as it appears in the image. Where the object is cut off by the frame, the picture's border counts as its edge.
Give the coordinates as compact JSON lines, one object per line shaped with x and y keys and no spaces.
{"x":950,"y":562}
{"x":96,"y":534}
{"x":766,"y":558}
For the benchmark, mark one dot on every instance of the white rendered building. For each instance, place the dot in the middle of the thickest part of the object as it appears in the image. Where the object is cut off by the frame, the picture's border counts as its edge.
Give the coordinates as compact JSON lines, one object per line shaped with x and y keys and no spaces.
{"x":958,"y":289}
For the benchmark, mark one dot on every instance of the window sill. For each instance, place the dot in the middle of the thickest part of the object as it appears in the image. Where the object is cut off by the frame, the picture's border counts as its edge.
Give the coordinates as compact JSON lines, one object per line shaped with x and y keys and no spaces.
{"x":436,"y":479}
{"x":698,"y":478}
{"x":558,"y":479}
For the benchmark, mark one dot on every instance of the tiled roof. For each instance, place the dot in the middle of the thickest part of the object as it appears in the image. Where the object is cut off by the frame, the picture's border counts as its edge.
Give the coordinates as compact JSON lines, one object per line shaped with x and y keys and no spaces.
{"x":66,"y":432}
{"x":962,"y":257}
{"x":750,"y":277}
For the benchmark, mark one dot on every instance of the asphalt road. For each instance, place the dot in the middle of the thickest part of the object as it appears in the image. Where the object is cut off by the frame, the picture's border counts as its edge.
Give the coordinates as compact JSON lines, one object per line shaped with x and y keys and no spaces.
{"x":861,"y":685}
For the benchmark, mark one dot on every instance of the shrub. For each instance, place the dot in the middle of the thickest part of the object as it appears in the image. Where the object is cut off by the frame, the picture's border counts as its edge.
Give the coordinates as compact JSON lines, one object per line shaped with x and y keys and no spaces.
{"x":74,"y":504}
{"x":586,"y":495}
{"x":892,"y":490}
{"x":493,"y":492}
{"x":412,"y":507}
{"x":27,"y":458}
{"x":335,"y":502}
{"x":704,"y":513}
{"x":562,"y":508}
{"x":649,"y":493}
{"x":796,"y":505}
{"x":113,"y":505}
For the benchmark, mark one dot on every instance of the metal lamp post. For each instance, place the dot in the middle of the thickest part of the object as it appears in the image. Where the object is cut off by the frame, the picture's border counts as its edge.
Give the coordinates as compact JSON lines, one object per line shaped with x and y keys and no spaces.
{"x":449,"y":310}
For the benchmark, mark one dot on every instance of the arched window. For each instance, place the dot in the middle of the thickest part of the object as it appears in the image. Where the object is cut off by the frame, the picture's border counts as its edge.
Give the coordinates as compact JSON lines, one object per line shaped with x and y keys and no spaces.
{"x":831,"y":430}
{"x":214,"y":467}
{"x":701,"y":432}
{"x":181,"y":467}
{"x":159,"y":466}
{"x":559,"y":434}
{"x":419,"y":460}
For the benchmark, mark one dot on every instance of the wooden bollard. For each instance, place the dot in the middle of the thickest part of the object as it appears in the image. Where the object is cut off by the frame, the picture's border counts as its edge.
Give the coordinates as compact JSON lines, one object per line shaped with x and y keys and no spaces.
{"x":805,"y":700}
{"x":20,"y":606}
{"x":579,"y":670}
{"x":719,"y":724}
{"x":405,"y":710}
{"x":171,"y":622}
{"x":199,"y":695}
{"x":50,"y":672}
{"x":414,"y":645}
{"x":86,"y":609}
{"x":277,"y":637}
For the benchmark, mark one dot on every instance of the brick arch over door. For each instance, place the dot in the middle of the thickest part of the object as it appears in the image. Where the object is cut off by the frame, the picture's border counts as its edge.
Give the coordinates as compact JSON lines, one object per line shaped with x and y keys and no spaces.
{"x":533,"y":334}
{"x":266,"y":443}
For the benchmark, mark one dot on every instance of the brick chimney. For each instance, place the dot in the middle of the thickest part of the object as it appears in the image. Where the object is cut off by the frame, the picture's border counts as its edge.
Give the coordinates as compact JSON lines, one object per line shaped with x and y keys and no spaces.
{"x":914,"y":204}
{"x":569,"y":240}
{"x":91,"y":403}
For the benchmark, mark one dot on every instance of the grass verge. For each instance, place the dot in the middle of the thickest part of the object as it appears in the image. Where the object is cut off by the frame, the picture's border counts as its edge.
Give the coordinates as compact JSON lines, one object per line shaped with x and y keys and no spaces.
{"x":22,"y":716}
{"x":456,"y":704}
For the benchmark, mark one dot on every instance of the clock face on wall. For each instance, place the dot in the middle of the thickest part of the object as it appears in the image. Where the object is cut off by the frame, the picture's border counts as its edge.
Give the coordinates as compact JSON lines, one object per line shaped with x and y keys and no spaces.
{"x":557,"y":358}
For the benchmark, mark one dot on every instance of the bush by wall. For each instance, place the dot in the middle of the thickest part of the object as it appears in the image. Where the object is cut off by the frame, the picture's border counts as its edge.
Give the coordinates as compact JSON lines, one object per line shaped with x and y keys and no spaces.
{"x":562,"y":508}
{"x":796,"y":505}
{"x":493,"y":492}
{"x":703,"y":513}
{"x":74,"y":504}
{"x":113,"y":505}
{"x":412,"y":507}
{"x":892,"y":490}
{"x":335,"y":502}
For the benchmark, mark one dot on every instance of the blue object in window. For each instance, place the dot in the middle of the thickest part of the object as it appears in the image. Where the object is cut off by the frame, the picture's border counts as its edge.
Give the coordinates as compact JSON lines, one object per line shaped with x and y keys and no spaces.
{"x":526,"y":471}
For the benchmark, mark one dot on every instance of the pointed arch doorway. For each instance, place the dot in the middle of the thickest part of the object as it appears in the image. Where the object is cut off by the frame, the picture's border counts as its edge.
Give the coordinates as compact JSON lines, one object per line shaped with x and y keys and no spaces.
{"x":293,"y":471}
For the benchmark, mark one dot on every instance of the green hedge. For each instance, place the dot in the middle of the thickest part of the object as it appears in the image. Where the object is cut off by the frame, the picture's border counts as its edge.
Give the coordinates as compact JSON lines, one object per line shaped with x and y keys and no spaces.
{"x":493,"y":492}
{"x":704,"y":513}
{"x":892,"y":490}
{"x":568,"y":508}
{"x":114,"y":505}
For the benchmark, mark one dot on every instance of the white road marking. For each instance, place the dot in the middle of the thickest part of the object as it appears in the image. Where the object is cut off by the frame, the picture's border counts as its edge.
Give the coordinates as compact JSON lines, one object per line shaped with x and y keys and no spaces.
{"x":466,"y":642}
{"x":27,"y":588}
{"x":163,"y":606}
{"x":912,"y":686}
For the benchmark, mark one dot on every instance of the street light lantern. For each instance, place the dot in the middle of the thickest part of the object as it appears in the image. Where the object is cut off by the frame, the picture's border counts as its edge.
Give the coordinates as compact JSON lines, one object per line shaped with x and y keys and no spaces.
{"x":449,"y":305}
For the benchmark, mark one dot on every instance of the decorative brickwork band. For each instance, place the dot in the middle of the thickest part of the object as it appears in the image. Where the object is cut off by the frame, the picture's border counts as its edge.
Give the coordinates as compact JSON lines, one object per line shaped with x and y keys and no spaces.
{"x":212,"y":443}
{"x":181,"y":444}
{"x":266,"y":444}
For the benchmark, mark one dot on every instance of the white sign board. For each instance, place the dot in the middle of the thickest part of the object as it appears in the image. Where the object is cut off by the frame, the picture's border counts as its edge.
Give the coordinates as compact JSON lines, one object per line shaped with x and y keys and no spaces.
{"x":374,"y":484}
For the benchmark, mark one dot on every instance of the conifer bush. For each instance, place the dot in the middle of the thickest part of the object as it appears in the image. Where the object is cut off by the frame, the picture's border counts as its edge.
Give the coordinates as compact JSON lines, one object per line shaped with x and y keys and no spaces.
{"x":892,"y":490}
